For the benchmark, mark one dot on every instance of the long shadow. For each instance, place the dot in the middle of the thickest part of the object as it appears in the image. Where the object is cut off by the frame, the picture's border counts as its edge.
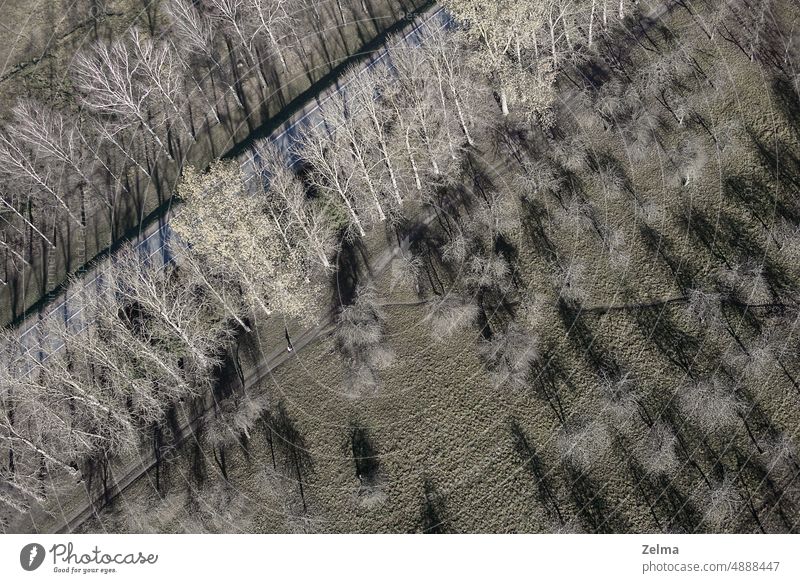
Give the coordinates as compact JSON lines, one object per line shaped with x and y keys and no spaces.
{"x":433,"y":516}
{"x":741,"y":241}
{"x":348,"y":274}
{"x":706,"y":233}
{"x":751,"y":193}
{"x":658,"y":325}
{"x":284,"y":438}
{"x":683,"y":516}
{"x":365,"y":455}
{"x":779,"y":500}
{"x":509,"y":253}
{"x":533,"y":222}
{"x":593,"y":510}
{"x":788,"y":102}
{"x":670,"y":509}
{"x":585,"y":341}
{"x":546,"y":490}
{"x":426,"y":243}
{"x":779,"y":160}
{"x":658,"y":244}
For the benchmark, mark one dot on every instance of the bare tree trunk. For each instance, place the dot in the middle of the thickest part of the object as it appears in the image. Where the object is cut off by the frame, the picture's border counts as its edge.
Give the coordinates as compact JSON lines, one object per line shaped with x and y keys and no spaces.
{"x":277,"y":49}
{"x":411,"y":158}
{"x":27,"y":222}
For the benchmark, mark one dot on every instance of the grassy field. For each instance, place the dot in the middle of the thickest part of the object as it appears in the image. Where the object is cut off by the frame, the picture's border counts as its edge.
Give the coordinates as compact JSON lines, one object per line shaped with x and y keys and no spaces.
{"x":452,"y":452}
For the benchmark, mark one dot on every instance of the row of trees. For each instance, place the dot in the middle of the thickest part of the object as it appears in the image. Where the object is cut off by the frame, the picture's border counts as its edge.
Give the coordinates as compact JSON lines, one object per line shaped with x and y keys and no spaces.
{"x":72,"y":167}
{"x":389,"y":139}
{"x":149,"y":337}
{"x":145,"y":339}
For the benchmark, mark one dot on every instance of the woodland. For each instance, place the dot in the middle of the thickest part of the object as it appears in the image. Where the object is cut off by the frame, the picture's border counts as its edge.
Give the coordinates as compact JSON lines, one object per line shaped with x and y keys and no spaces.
{"x":533,"y":269}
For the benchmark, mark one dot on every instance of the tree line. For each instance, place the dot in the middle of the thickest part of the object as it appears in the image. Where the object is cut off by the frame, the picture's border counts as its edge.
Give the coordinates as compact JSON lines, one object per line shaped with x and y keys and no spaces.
{"x":130,"y":105}
{"x":148,"y":337}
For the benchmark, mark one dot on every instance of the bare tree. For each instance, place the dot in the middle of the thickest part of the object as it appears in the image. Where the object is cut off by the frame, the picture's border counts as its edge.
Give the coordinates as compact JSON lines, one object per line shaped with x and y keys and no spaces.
{"x":496,"y":212}
{"x":537,"y":177}
{"x":164,"y":73}
{"x":234,"y":18}
{"x":274,"y":19}
{"x":620,"y":401}
{"x":192,"y":27}
{"x":109,"y":78}
{"x":175,"y":312}
{"x":194,"y":36}
{"x":371,"y":92}
{"x":426,"y":129}
{"x":323,"y":150}
{"x":405,"y":270}
{"x":486,"y":271}
{"x":571,"y":282}
{"x":59,"y":142}
{"x":11,"y":203}
{"x":689,"y":160}
{"x":21,"y":164}
{"x":509,"y":355}
{"x":352,"y":126}
{"x":219,"y":281}
{"x":303,"y":224}
{"x":744,"y":282}
{"x":452,"y":80}
{"x":360,"y":338}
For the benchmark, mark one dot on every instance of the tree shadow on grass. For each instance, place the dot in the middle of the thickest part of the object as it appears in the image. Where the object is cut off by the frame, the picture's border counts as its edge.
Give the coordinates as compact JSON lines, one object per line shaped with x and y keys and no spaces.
{"x":349,"y":272}
{"x":678,"y":346}
{"x":287,"y":445}
{"x":584,"y":340}
{"x":534,"y":466}
{"x":433,"y":516}
{"x":592,"y":507}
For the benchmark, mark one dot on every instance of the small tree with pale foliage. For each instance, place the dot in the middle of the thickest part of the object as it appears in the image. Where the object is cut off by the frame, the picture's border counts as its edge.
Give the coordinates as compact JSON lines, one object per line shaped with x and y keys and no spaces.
{"x":360,"y":338}
{"x":451,"y":315}
{"x":230,"y":227}
{"x":509,"y":355}
{"x":583,"y":444}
